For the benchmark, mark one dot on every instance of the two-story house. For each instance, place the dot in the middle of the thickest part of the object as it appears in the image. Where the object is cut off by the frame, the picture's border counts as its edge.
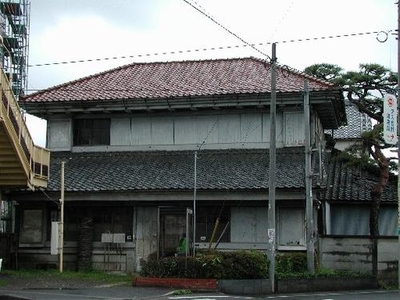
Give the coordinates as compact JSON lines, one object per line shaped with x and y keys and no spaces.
{"x":150,"y":147}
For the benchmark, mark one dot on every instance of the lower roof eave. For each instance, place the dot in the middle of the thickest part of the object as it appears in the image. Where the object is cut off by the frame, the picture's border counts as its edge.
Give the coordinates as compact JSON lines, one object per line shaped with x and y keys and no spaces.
{"x":172,"y":195}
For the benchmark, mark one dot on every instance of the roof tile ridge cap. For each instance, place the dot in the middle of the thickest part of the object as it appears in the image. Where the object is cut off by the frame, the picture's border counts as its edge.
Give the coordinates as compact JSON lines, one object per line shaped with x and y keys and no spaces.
{"x":302,"y":73}
{"x":204,"y":60}
{"x":84,"y":78}
{"x":292,"y":70}
{"x":65,"y":84}
{"x":200,"y":60}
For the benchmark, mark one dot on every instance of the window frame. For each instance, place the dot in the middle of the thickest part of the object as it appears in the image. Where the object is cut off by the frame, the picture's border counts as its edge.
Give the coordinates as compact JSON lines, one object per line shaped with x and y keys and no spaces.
{"x":91,"y":132}
{"x":211,"y":213}
{"x":106,"y":219}
{"x":26,"y":220}
{"x":281,"y":228}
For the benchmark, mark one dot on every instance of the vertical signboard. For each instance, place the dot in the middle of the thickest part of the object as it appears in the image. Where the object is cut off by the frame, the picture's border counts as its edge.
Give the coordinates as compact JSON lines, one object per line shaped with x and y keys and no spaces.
{"x":390,"y":119}
{"x":55,"y":238}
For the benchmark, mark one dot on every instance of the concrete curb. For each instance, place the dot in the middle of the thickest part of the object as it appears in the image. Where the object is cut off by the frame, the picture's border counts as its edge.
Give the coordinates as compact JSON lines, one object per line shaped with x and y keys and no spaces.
{"x":255,"y":287}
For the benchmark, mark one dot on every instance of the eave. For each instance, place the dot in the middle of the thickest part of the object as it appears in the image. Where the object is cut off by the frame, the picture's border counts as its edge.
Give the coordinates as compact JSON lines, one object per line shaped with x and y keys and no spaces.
{"x":328,"y":104}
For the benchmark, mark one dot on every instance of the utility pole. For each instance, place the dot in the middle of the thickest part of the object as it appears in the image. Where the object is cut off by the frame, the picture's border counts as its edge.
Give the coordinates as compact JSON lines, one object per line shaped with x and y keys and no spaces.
{"x":194,"y":203}
{"x":272,"y":174}
{"x":308,"y":180}
{"x":398,"y":140}
{"x":61,"y":227}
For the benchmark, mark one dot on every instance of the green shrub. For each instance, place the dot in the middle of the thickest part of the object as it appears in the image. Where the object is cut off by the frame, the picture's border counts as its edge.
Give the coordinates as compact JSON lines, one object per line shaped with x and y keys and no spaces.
{"x":237,"y":265}
{"x":245,"y":265}
{"x":294,"y":266}
{"x":209,"y":264}
{"x":290,"y":263}
{"x":329,"y":273}
{"x":180,"y":267}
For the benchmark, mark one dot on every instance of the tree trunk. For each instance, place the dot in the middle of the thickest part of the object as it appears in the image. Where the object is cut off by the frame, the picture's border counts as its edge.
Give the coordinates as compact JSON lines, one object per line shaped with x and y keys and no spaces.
{"x":85,"y":240}
{"x":374,"y":229}
{"x":376,"y":194}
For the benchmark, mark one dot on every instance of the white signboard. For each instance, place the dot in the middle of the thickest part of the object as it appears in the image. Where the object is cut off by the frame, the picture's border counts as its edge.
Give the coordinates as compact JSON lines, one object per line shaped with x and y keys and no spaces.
{"x":55,"y":238}
{"x":390,"y":119}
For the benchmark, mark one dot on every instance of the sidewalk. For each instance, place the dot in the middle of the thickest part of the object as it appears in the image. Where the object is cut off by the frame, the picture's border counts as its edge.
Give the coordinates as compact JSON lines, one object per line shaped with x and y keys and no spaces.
{"x":56,"y":288}
{"x":121,"y":292}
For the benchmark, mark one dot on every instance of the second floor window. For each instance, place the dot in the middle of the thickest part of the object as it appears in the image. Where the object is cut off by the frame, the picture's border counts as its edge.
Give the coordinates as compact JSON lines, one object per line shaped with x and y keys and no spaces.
{"x":91,"y":132}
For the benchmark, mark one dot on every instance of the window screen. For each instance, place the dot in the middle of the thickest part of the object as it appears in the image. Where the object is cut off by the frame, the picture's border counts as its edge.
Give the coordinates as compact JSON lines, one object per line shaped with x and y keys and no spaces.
{"x":291,"y":227}
{"x":349,"y":220}
{"x":206,"y":221}
{"x":91,"y":132}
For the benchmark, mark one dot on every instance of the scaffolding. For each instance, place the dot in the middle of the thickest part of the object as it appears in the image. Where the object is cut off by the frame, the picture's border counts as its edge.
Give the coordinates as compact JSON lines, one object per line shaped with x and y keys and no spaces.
{"x":14,"y":42}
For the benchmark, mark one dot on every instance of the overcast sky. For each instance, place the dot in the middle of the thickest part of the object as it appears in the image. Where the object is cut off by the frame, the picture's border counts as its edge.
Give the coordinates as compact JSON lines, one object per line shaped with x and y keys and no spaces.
{"x":143,"y":30}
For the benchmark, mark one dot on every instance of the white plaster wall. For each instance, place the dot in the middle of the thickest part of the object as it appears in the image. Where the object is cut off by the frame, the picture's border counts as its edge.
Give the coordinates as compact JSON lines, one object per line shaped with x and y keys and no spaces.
{"x":251,"y":128}
{"x":249,"y":224}
{"x":146,"y":232}
{"x":140,"y":131}
{"x":162,"y":131}
{"x":294,"y":128}
{"x":60,"y":134}
{"x":120,"y":133}
{"x":238,"y":130}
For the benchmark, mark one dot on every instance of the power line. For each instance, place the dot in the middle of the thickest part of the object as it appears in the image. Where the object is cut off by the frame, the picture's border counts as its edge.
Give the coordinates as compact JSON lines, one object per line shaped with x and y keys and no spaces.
{"x":226,"y":29}
{"x":228,"y":47}
{"x":208,"y":133}
{"x":288,"y":8}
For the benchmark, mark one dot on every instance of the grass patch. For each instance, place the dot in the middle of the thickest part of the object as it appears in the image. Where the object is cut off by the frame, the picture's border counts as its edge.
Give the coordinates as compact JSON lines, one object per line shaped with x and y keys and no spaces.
{"x":182,"y":292}
{"x":3,"y":282}
{"x":90,"y":276}
{"x":323,"y":273}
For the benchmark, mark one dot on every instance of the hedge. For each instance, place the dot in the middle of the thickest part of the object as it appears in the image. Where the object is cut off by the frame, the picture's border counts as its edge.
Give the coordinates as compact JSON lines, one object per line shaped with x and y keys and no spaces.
{"x":213,"y":264}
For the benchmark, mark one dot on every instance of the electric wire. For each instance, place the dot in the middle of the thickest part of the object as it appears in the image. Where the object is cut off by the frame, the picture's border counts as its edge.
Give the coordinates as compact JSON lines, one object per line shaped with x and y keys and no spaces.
{"x":216,"y":48}
{"x":208,"y":134}
{"x":225,"y":28}
{"x":48,"y":197}
{"x":288,"y":9}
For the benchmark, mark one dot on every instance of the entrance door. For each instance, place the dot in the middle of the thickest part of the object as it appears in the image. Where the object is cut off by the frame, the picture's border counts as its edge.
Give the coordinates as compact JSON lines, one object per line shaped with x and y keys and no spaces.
{"x":173,"y":225}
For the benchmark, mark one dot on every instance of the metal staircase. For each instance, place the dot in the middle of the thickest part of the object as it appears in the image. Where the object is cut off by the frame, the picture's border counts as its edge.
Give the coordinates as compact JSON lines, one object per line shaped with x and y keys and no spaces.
{"x":22,"y":164}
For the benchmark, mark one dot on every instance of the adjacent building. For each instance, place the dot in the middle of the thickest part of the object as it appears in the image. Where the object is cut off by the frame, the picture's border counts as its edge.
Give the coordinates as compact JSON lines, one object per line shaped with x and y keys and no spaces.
{"x":23,"y":165}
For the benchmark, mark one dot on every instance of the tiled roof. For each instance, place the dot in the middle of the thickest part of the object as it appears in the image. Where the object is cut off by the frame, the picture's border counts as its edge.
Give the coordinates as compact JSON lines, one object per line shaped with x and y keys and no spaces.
{"x":357,"y":123}
{"x":178,"y":79}
{"x":351,"y":184}
{"x":174,"y":170}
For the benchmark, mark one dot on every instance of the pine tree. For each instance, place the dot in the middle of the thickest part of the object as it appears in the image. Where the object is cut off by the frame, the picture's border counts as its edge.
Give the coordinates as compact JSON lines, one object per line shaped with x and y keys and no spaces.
{"x":366,"y":88}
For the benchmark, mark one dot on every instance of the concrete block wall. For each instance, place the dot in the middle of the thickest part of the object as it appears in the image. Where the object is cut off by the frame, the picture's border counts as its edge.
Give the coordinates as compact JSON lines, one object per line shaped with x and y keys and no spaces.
{"x":355,"y":253}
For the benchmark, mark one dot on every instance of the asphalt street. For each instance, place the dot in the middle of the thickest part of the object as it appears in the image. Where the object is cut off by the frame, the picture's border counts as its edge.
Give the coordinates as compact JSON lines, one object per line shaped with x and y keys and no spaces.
{"x":136,"y":293}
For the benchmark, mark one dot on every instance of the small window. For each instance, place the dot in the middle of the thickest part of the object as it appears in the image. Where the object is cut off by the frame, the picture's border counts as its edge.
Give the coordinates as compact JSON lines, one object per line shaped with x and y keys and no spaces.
{"x":91,"y":132}
{"x":291,"y":227}
{"x":206,"y":224}
{"x":105,"y":219}
{"x":354,"y":220}
{"x":31,"y":233}
{"x":350,"y":220}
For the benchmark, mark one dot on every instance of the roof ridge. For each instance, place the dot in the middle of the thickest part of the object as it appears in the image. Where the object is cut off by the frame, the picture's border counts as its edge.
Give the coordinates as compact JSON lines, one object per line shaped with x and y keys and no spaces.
{"x":179,"y":78}
{"x":125,"y":66}
{"x":302,"y":73}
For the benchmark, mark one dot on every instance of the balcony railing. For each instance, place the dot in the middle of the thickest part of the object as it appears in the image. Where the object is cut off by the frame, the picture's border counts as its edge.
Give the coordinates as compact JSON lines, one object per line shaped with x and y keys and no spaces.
{"x":35,"y":160}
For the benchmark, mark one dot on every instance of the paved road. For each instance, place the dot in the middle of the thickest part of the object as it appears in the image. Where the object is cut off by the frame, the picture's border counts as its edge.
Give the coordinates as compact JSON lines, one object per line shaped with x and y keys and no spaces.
{"x":136,"y":293}
{"x":122,"y":292}
{"x":356,"y":295}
